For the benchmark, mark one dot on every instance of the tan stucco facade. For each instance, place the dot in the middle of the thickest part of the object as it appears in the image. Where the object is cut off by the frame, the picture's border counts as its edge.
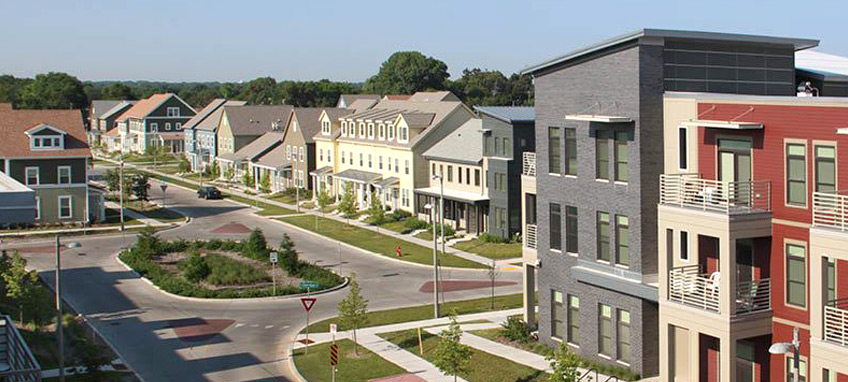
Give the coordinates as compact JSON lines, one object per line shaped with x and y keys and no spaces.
{"x":825,"y":243}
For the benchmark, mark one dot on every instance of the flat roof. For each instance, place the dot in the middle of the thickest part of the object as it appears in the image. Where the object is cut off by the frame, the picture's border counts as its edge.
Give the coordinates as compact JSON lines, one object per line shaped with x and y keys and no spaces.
{"x":798,"y":43}
{"x":812,"y":101}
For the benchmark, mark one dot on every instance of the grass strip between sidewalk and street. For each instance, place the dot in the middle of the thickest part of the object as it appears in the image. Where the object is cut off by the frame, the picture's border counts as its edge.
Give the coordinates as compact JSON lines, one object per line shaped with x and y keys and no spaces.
{"x":425,"y":312}
{"x":483,"y":367}
{"x":494,"y":251}
{"x":375,"y":242}
{"x":315,"y":366}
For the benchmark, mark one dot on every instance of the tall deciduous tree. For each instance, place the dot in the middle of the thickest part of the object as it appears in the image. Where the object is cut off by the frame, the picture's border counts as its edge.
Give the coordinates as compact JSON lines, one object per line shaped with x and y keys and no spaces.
{"x":54,"y":91}
{"x":407,"y":73}
{"x":353,"y":310}
{"x":117,"y":91}
{"x":451,"y":356}
{"x":261,"y":91}
{"x":22,"y":286}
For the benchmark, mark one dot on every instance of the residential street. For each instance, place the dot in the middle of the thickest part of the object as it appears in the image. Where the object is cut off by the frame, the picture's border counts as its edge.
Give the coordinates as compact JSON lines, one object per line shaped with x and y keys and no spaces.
{"x":164,"y":338}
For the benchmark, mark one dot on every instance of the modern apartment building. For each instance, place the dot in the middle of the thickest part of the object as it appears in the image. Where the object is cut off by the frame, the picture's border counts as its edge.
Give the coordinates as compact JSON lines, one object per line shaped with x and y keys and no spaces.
{"x":156,"y":121}
{"x":599,"y":124}
{"x":509,"y":133}
{"x":379,"y":150}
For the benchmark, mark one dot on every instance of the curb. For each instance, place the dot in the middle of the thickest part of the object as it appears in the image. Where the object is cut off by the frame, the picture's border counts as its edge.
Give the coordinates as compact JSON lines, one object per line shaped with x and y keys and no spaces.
{"x":249,"y":299}
{"x":351,"y":246}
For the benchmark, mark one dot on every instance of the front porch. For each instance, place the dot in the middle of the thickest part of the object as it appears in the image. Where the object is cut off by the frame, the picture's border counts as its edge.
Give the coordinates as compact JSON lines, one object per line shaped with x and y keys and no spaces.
{"x":464,"y":211}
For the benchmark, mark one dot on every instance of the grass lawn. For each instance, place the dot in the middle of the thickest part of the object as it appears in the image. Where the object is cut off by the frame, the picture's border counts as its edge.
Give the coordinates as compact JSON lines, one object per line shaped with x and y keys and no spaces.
{"x":374,"y":242}
{"x":266,"y":209}
{"x":397,"y":226}
{"x":425,"y":312}
{"x":226,"y":271}
{"x":497,"y":251}
{"x":164,"y":215}
{"x":484,"y":367}
{"x":315,"y":366}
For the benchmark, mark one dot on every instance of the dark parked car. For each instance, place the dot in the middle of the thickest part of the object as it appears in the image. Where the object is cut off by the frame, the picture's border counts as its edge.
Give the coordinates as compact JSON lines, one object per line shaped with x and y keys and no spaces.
{"x":209,"y":192}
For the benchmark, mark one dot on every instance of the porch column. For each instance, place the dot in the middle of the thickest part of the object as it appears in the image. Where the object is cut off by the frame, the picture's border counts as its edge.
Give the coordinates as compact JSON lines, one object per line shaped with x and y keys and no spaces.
{"x":727,"y":269}
{"x":727,"y":359}
{"x":361,"y":197}
{"x":818,"y":292}
{"x":529,"y":294}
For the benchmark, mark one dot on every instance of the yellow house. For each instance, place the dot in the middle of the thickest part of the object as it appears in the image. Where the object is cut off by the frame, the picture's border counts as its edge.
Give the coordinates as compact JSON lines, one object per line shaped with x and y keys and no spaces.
{"x":378,"y":150}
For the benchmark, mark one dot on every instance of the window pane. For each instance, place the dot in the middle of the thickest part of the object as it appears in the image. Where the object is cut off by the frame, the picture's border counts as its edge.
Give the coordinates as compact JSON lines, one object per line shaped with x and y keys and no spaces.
{"x":623,"y":328}
{"x":623,"y":240}
{"x":554,"y":147}
{"x":796,"y":174}
{"x":682,"y":149}
{"x":605,"y":330}
{"x":603,"y":236}
{"x":556,"y":227}
{"x":570,"y":151}
{"x":571,"y":229}
{"x":621,"y":153}
{"x":796,"y":275}
{"x":602,"y":155}
{"x":574,"y":320}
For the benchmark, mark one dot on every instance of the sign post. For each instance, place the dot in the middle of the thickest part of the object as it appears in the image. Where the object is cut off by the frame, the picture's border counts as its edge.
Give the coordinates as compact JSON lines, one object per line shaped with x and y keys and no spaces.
{"x":334,"y":352}
{"x":308,"y":303}
{"x":164,"y":187}
{"x":273,"y":258}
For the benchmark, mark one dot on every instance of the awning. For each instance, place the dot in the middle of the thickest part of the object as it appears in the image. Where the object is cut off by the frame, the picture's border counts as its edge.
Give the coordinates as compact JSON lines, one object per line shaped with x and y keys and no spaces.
{"x":597,"y":118}
{"x":388,"y":182}
{"x":358,"y":176}
{"x":730,"y":125}
{"x":459,"y":196}
{"x":326,"y":170}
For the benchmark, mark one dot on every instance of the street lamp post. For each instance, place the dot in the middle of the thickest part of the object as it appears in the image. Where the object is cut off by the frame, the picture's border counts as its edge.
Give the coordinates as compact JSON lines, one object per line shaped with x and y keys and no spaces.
{"x":121,"y":190}
{"x":793,"y":348}
{"x":432,"y":210}
{"x":59,"y":335}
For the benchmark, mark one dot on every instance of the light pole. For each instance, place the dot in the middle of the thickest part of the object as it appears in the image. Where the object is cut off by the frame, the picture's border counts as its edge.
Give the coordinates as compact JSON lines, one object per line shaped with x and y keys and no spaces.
{"x":441,"y":208}
{"x":793,"y":348}
{"x":121,"y":189}
{"x":59,"y":336}
{"x":432,"y":210}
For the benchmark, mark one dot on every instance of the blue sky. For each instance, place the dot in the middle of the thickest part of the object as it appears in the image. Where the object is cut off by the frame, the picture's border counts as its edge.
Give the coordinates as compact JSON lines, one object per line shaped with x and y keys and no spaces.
{"x":195,"y":40}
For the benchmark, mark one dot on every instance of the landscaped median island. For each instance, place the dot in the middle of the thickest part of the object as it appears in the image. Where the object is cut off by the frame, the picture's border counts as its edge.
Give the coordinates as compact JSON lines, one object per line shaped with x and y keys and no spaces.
{"x":375,"y":242}
{"x":425,"y":312}
{"x":224,"y":268}
{"x":315,"y":365}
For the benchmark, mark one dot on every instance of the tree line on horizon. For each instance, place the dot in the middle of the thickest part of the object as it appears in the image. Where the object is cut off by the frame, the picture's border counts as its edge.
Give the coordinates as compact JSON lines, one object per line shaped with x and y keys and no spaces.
{"x":402,"y":73}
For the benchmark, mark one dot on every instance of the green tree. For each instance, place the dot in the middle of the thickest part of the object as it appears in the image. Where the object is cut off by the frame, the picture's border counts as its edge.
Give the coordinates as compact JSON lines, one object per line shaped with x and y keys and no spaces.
{"x":117,"y":91}
{"x":54,"y":91}
{"x":22,"y":287}
{"x":324,"y":199}
{"x":521,"y":90}
{"x":482,"y":87}
{"x":376,"y":212}
{"x":247,"y":179}
{"x":288,"y":255}
{"x":407,"y":73}
{"x":11,"y":88}
{"x":147,"y":243}
{"x":229,"y":173}
{"x":256,"y":246}
{"x":195,"y":267}
{"x":347,"y":206}
{"x":353,"y":310}
{"x":140,"y":187}
{"x":91,"y":356}
{"x":184,"y":165}
{"x":261,"y":91}
{"x":565,"y":364}
{"x":451,"y":356}
{"x":265,"y":182}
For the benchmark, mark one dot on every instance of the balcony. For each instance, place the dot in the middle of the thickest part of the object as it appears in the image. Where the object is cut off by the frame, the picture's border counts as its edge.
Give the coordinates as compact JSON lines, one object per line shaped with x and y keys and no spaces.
{"x":688,"y":286}
{"x":15,"y":355}
{"x":830,"y":210}
{"x":836,"y":322}
{"x":728,"y":198}
{"x":529,"y":164}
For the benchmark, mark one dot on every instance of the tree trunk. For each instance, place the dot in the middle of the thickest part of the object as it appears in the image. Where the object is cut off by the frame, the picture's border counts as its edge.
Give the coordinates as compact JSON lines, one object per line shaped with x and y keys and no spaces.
{"x":355,"y":344}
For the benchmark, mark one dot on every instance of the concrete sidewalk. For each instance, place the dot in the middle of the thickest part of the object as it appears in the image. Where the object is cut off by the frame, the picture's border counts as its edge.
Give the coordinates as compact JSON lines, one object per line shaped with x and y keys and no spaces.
{"x":134,"y":215}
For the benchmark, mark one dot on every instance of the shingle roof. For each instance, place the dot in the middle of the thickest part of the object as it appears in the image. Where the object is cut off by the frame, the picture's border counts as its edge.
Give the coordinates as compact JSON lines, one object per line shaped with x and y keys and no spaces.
{"x":275,"y":158}
{"x":101,"y":106}
{"x":116,"y":110}
{"x":358,"y":175}
{"x":307,"y":120}
{"x":211,"y":120}
{"x":463,"y":145}
{"x":348,"y":99}
{"x":362,"y":104}
{"x":14,"y":123}
{"x":443,"y":95}
{"x":418,"y":120}
{"x":146,"y":106}
{"x":257,"y":119}
{"x":509,"y":114}
{"x":260,"y":145}
{"x":213,"y":105}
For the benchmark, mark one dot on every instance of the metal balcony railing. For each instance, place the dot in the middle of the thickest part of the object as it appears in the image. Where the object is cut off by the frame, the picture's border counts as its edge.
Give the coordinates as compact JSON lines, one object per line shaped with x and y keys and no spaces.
{"x":689,"y":190}
{"x":690,"y":287}
{"x":830,"y":209}
{"x":18,"y":362}
{"x":836,"y":322}
{"x":529,"y":164}
{"x":530,"y":237}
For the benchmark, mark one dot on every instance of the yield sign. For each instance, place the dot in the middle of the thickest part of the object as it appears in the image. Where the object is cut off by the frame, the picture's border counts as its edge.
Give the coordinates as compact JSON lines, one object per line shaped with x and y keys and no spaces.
{"x":308,"y":302}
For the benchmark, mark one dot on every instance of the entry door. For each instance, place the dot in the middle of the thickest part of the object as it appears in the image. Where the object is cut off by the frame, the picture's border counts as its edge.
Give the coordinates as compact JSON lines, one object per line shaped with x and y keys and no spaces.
{"x":734,"y":169}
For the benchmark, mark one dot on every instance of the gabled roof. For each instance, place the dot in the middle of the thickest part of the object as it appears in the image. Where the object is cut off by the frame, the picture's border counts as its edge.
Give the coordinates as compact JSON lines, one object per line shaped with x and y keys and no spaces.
{"x":260,"y":146}
{"x":257,"y":119}
{"x":307,"y":121}
{"x":797,"y":43}
{"x":208,"y":118}
{"x":15,"y":123}
{"x":274,"y":158}
{"x":443,"y":95}
{"x":143,"y":108}
{"x":345,"y":100}
{"x":44,"y":126}
{"x":397,"y":97}
{"x":101,"y":106}
{"x":417,"y":120}
{"x":509,"y":114}
{"x":463,"y":145}
{"x":215,"y":104}
{"x":362,"y":104}
{"x":116,"y":110}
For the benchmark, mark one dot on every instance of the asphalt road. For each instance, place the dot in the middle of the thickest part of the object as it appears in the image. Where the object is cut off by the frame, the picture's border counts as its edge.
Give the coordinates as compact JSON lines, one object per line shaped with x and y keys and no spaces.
{"x":171,"y":339}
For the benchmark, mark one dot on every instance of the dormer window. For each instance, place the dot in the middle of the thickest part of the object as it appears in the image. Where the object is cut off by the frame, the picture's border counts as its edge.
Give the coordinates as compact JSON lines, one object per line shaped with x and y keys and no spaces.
{"x":370,"y":130}
{"x":46,"y":137}
{"x":381,"y":132}
{"x":173,"y":111}
{"x":391,"y":132}
{"x":294,"y":126}
{"x":362,"y":129}
{"x":344,"y":128}
{"x":403,"y":134}
{"x":325,"y":127}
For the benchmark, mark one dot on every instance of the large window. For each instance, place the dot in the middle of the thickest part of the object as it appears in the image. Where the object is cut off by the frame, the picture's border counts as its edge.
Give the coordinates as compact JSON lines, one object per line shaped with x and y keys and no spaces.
{"x":573,"y":320}
{"x":796,"y":174}
{"x":790,"y":370}
{"x":507,"y":149}
{"x":623,"y":335}
{"x":571,"y":229}
{"x":602,"y":155}
{"x":31,"y":176}
{"x":621,"y":153}
{"x":796,"y":275}
{"x":554,"y":150}
{"x":64,"y":174}
{"x":556,"y":227}
{"x":173,"y":111}
{"x":622,"y":240}
{"x":571,"y":151}
{"x":605,"y":330}
{"x":682,"y":148}
{"x":65,"y":207}
{"x":557,"y":314}
{"x":825,"y":168}
{"x":603,"y":236}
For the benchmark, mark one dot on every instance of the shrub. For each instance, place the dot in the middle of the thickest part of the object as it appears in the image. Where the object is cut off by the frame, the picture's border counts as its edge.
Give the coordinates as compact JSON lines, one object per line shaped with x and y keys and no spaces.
{"x":489,"y":238}
{"x":415,"y":223}
{"x":147,"y":244}
{"x":214,"y":244}
{"x":226,"y":271}
{"x":256,"y":247}
{"x":398,"y":215}
{"x":449,"y":231}
{"x":194,"y":267}
{"x":515,"y":329}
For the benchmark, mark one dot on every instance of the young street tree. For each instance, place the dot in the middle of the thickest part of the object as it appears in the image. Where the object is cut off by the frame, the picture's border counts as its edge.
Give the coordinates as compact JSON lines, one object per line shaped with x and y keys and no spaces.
{"x":565,"y":364}
{"x":265,"y":182}
{"x":141,"y":187}
{"x":451,"y":355}
{"x":493,"y":273}
{"x":353,"y":311}
{"x":22,"y":286}
{"x":348,"y":204}
{"x":376,"y":213}
{"x":323,"y":200}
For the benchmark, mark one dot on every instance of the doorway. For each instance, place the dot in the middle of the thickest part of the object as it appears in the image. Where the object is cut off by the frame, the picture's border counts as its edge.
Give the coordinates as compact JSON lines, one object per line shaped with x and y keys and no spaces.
{"x":734,"y":169}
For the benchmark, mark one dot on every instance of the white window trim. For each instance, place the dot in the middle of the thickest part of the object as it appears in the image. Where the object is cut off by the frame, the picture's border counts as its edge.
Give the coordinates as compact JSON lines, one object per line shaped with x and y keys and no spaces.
{"x":362,"y":132}
{"x":403,"y":134}
{"x":179,"y":126}
{"x":154,"y":127}
{"x":391,"y":132}
{"x":167,"y":126}
{"x":59,"y":174}
{"x":172,"y":108}
{"x":381,"y":132}
{"x":70,"y":206}
{"x":37,"y":208}
{"x":37,"y":176}
{"x":344,"y":129}
{"x":50,"y":138}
